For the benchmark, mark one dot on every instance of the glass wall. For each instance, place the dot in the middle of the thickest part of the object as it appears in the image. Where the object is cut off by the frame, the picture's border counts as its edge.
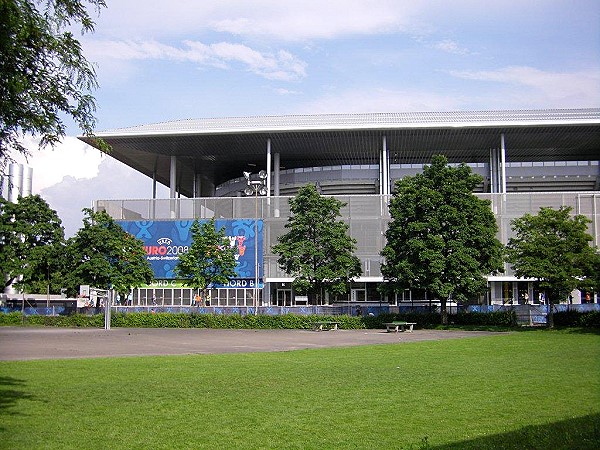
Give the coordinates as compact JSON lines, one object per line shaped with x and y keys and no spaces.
{"x":234,"y":297}
{"x":186,"y":297}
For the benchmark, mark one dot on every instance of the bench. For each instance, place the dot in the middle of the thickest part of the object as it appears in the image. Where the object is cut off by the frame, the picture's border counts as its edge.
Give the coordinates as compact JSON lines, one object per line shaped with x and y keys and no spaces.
{"x":399,"y":326}
{"x":320,"y":326}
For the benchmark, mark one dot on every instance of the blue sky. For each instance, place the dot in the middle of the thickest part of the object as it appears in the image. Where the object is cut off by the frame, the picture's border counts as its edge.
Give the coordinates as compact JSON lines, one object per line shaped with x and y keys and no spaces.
{"x":159,"y":61}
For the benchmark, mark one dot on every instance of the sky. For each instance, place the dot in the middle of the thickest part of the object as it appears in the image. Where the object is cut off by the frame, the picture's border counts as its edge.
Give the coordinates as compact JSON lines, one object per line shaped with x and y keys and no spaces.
{"x":160,"y":61}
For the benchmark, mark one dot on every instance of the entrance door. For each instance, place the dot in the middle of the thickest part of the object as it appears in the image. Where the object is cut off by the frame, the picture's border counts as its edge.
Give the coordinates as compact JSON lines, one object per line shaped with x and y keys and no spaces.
{"x":507,"y":293}
{"x":523,"y":288}
{"x":284,"y":297}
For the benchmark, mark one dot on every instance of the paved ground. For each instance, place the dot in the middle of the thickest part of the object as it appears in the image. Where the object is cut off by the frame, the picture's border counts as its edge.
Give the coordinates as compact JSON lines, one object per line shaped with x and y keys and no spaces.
{"x":17,"y":343}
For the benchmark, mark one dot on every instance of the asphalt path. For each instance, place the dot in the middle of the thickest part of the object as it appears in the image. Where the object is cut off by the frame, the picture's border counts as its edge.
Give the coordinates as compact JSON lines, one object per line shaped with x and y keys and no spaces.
{"x":25,"y":343}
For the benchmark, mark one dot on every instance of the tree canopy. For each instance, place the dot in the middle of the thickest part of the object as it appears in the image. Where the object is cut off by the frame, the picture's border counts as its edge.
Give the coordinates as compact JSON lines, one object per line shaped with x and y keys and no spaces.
{"x":210,"y":259}
{"x":317,"y":250}
{"x":31,"y":235}
{"x":104,"y":255}
{"x":553,"y":246}
{"x":43,"y":73}
{"x":441,"y":237}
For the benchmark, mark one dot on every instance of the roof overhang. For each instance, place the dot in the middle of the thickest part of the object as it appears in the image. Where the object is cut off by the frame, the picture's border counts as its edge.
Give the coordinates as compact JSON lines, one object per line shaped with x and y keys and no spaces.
{"x":221,"y":149}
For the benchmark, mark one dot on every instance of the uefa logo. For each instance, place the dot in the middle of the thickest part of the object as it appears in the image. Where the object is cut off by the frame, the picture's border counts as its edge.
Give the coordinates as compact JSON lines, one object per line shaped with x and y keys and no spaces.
{"x":164,"y":241}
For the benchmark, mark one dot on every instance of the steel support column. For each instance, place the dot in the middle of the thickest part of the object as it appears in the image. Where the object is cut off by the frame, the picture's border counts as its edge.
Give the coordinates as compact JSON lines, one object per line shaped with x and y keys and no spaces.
{"x":503,"y":164}
{"x":276,"y":173}
{"x":384,"y":169}
{"x":173,"y":186}
{"x":495,"y":170}
{"x":173,"y":177}
{"x":268,"y":167}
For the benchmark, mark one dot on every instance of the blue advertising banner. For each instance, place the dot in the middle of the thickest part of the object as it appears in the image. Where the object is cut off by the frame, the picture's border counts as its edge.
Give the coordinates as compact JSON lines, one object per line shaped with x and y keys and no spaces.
{"x":164,"y":241}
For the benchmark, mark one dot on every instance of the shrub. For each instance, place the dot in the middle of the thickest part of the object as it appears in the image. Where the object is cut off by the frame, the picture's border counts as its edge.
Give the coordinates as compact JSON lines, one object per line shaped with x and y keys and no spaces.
{"x":74,"y":320}
{"x":566,"y":318}
{"x":569,"y":318}
{"x":590,"y":319}
{"x":11,"y":318}
{"x":496,"y":318}
{"x":572,"y":318}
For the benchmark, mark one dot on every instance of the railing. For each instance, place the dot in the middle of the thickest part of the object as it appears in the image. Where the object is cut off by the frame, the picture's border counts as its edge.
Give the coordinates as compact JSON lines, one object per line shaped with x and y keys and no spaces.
{"x":533,"y":314}
{"x":334,"y":310}
{"x":526,"y":314}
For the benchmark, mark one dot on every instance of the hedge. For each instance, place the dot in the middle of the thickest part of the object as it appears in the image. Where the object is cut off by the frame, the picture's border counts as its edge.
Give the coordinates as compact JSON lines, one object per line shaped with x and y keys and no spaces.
{"x":495,"y":318}
{"x":289,"y":321}
{"x":571,"y":318}
{"x":181,"y":320}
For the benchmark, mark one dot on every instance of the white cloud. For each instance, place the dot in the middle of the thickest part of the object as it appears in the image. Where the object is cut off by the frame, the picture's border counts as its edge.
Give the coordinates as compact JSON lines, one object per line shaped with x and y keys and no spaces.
{"x":291,"y":20}
{"x":281,"y":65}
{"x":450,"y":46}
{"x":302,"y":20}
{"x":73,"y":175}
{"x":71,"y":157}
{"x":113,"y":180}
{"x":282,"y":91}
{"x":553,"y":89}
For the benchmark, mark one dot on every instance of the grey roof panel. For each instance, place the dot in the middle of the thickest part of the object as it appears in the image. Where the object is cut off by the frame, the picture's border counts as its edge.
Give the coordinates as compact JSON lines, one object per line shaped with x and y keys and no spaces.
{"x":365,"y":121}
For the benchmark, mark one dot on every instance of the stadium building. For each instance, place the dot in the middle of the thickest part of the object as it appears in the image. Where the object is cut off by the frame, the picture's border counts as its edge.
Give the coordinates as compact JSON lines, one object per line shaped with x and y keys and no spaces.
{"x":527,"y":159}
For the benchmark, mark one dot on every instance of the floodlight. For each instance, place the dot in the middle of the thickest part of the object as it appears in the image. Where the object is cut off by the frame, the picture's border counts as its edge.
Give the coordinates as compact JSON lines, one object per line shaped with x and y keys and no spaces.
{"x":262,"y":174}
{"x":247,"y":175}
{"x":248,"y":191}
{"x":262,"y":190}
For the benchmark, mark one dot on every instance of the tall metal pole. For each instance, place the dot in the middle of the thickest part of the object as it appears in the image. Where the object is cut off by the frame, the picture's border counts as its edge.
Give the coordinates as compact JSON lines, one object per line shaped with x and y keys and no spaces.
{"x":255,"y":251}
{"x":256,"y":187}
{"x":109,"y":294}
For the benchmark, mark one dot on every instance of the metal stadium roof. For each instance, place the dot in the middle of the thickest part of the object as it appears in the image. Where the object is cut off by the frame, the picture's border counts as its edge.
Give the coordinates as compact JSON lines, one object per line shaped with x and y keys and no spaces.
{"x":221,"y":149}
{"x":368,"y":121}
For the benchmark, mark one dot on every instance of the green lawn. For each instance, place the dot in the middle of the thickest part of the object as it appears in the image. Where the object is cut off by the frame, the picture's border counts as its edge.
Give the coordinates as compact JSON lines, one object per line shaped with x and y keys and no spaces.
{"x":534,"y":390}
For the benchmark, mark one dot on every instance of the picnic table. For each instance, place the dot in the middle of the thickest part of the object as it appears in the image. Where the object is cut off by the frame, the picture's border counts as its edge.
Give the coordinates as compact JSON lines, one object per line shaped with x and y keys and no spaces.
{"x":325,"y":325}
{"x":399,"y":326}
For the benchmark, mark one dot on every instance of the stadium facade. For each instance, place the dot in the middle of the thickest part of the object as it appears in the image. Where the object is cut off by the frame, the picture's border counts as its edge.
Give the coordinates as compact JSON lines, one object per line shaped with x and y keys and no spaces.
{"x":527,"y":159}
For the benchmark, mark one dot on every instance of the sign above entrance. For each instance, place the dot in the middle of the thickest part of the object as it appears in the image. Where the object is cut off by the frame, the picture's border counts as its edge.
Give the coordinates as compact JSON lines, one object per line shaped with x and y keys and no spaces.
{"x":241,"y":283}
{"x":165,"y":240}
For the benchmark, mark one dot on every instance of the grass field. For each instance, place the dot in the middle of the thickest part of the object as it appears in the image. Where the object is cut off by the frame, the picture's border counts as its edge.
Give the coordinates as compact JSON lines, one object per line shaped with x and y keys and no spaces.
{"x":534,"y":390}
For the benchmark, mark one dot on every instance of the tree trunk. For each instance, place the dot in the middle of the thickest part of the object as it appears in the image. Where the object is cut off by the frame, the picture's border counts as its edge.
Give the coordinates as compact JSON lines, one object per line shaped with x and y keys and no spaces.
{"x":550,"y":315}
{"x":444,"y":312}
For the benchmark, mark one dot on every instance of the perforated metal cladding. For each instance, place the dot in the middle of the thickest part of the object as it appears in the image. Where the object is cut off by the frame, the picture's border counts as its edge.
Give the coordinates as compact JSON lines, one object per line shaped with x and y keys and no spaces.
{"x":367,"y":216}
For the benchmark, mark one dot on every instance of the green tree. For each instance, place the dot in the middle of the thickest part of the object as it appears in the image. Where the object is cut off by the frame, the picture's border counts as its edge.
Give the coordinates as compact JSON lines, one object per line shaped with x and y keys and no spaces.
{"x":104,"y":255}
{"x":317,"y":250}
{"x":43,"y":73}
{"x":553,"y":246}
{"x":45,"y":269}
{"x":210,"y":259}
{"x":30,"y":231}
{"x":441,"y":238}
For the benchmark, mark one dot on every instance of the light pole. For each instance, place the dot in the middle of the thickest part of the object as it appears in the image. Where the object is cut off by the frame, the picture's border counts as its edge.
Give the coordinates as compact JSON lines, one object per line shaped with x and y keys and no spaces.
{"x":256,"y":187}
